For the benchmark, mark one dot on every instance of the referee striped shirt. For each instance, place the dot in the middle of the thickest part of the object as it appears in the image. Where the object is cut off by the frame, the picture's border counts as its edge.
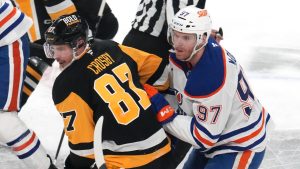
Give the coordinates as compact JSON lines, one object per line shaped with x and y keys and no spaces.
{"x":151,"y":14}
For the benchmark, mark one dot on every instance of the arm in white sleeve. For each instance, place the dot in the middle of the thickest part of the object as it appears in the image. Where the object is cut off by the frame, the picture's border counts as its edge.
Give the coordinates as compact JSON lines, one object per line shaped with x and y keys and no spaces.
{"x":204,"y":128}
{"x":180,"y":128}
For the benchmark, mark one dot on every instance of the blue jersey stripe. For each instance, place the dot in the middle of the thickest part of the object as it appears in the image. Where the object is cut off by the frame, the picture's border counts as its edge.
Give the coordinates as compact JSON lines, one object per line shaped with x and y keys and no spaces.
{"x":26,"y":51}
{"x":29,"y":153}
{"x":12,"y":26}
{"x":202,"y":147}
{"x":231,"y":134}
{"x":4,"y":75}
{"x":205,"y":131}
{"x":241,"y":130}
{"x":237,"y":148}
{"x":5,"y":69}
{"x":4,"y":7}
{"x":19,"y":138}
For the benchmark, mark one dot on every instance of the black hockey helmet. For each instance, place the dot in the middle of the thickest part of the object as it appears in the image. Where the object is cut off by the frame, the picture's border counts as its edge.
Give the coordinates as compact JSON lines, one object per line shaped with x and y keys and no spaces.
{"x":66,"y":30}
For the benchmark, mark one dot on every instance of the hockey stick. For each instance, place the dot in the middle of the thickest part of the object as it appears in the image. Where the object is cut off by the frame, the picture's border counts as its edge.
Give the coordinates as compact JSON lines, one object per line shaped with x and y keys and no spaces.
{"x":98,"y":150}
{"x":100,"y":14}
{"x":59,"y":146}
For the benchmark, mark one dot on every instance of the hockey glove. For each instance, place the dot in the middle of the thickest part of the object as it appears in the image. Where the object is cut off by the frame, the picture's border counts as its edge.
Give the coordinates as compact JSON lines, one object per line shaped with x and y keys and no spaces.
{"x":164,"y":112}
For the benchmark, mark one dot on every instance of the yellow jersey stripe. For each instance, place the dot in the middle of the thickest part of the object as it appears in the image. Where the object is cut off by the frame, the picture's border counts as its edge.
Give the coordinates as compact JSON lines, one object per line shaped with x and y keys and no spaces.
{"x":147,"y":63}
{"x":131,"y":161}
{"x":32,"y":72}
{"x":27,"y":91}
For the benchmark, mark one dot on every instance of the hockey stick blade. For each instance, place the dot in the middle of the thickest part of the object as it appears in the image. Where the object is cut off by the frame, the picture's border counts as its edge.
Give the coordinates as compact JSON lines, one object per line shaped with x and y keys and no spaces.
{"x":98,"y":151}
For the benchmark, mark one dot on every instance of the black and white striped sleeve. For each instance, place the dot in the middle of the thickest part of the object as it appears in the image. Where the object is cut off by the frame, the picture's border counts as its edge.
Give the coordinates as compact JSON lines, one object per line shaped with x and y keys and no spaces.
{"x":173,"y":6}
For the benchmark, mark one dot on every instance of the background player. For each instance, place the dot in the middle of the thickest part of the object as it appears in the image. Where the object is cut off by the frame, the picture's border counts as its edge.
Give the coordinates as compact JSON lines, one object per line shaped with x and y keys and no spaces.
{"x":14,"y":53}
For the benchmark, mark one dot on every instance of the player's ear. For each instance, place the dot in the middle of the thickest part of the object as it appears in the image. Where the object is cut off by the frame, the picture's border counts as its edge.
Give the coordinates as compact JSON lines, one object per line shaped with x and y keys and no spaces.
{"x":80,"y":43}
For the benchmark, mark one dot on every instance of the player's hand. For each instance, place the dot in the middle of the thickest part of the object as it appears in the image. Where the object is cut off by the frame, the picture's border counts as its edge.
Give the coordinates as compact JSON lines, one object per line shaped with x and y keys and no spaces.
{"x":164,"y":112}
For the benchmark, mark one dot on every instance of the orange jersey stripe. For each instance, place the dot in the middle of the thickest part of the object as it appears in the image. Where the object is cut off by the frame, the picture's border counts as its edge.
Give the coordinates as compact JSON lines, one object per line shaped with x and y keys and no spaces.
{"x":8,"y":17}
{"x":255,"y":133}
{"x":27,"y":91}
{"x":34,"y":73}
{"x":17,"y":73}
{"x":244,"y":159}
{"x":131,"y":161}
{"x":25,"y":144}
{"x":147,"y":63}
{"x":201,"y":139}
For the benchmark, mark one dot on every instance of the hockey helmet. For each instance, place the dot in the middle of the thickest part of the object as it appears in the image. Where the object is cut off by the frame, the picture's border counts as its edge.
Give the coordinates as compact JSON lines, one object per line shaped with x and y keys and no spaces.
{"x":191,"y":20}
{"x":67,"y":29}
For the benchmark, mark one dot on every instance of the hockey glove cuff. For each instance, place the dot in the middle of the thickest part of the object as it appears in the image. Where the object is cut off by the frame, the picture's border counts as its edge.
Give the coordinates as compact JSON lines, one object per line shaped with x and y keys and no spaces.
{"x":164,"y":112}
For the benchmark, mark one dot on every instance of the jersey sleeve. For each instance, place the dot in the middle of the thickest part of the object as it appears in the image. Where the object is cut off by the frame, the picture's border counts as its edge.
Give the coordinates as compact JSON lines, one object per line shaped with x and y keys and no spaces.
{"x":79,"y":124}
{"x":151,"y":68}
{"x":204,"y":128}
{"x":210,"y":118}
{"x":57,"y":8}
{"x":70,"y":93}
{"x":13,"y":23}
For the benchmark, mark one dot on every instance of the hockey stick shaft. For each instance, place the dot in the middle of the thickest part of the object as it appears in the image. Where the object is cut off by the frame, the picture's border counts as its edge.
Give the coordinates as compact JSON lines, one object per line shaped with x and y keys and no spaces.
{"x":100,"y":14}
{"x":59,"y":146}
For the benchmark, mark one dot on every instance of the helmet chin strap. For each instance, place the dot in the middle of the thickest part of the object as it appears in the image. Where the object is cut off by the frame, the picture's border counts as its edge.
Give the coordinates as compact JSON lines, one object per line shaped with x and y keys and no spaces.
{"x":194,"y":52}
{"x":75,"y":57}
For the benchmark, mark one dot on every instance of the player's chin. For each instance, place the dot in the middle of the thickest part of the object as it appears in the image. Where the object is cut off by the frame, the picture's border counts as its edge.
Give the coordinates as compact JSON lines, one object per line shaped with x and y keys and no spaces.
{"x":62,"y":65}
{"x":181,"y":56}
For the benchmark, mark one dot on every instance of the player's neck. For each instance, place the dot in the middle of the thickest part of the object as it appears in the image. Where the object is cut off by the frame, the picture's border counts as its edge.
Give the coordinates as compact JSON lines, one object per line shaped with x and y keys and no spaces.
{"x":197,"y":57}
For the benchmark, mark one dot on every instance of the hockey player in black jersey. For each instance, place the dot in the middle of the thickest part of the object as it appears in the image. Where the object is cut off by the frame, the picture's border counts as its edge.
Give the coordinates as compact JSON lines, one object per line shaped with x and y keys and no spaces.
{"x":106,"y":79}
{"x":102,"y":23}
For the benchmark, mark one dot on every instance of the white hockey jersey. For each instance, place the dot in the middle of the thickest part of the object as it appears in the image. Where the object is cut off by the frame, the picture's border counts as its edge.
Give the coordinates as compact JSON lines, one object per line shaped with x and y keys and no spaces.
{"x":220,"y":114}
{"x":13,"y":23}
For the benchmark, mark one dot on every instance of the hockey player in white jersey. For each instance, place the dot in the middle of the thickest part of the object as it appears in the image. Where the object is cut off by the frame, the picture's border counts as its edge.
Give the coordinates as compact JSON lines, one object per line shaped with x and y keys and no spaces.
{"x":14,"y":52}
{"x":216,"y":110}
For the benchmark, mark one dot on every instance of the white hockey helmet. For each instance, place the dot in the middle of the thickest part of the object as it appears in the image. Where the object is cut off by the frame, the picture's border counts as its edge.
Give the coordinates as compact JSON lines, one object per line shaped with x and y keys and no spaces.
{"x":191,"y":20}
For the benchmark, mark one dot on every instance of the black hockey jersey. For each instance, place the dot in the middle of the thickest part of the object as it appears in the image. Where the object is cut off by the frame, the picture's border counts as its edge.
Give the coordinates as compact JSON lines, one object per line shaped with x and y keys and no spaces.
{"x":44,"y":11}
{"x":107,"y":81}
